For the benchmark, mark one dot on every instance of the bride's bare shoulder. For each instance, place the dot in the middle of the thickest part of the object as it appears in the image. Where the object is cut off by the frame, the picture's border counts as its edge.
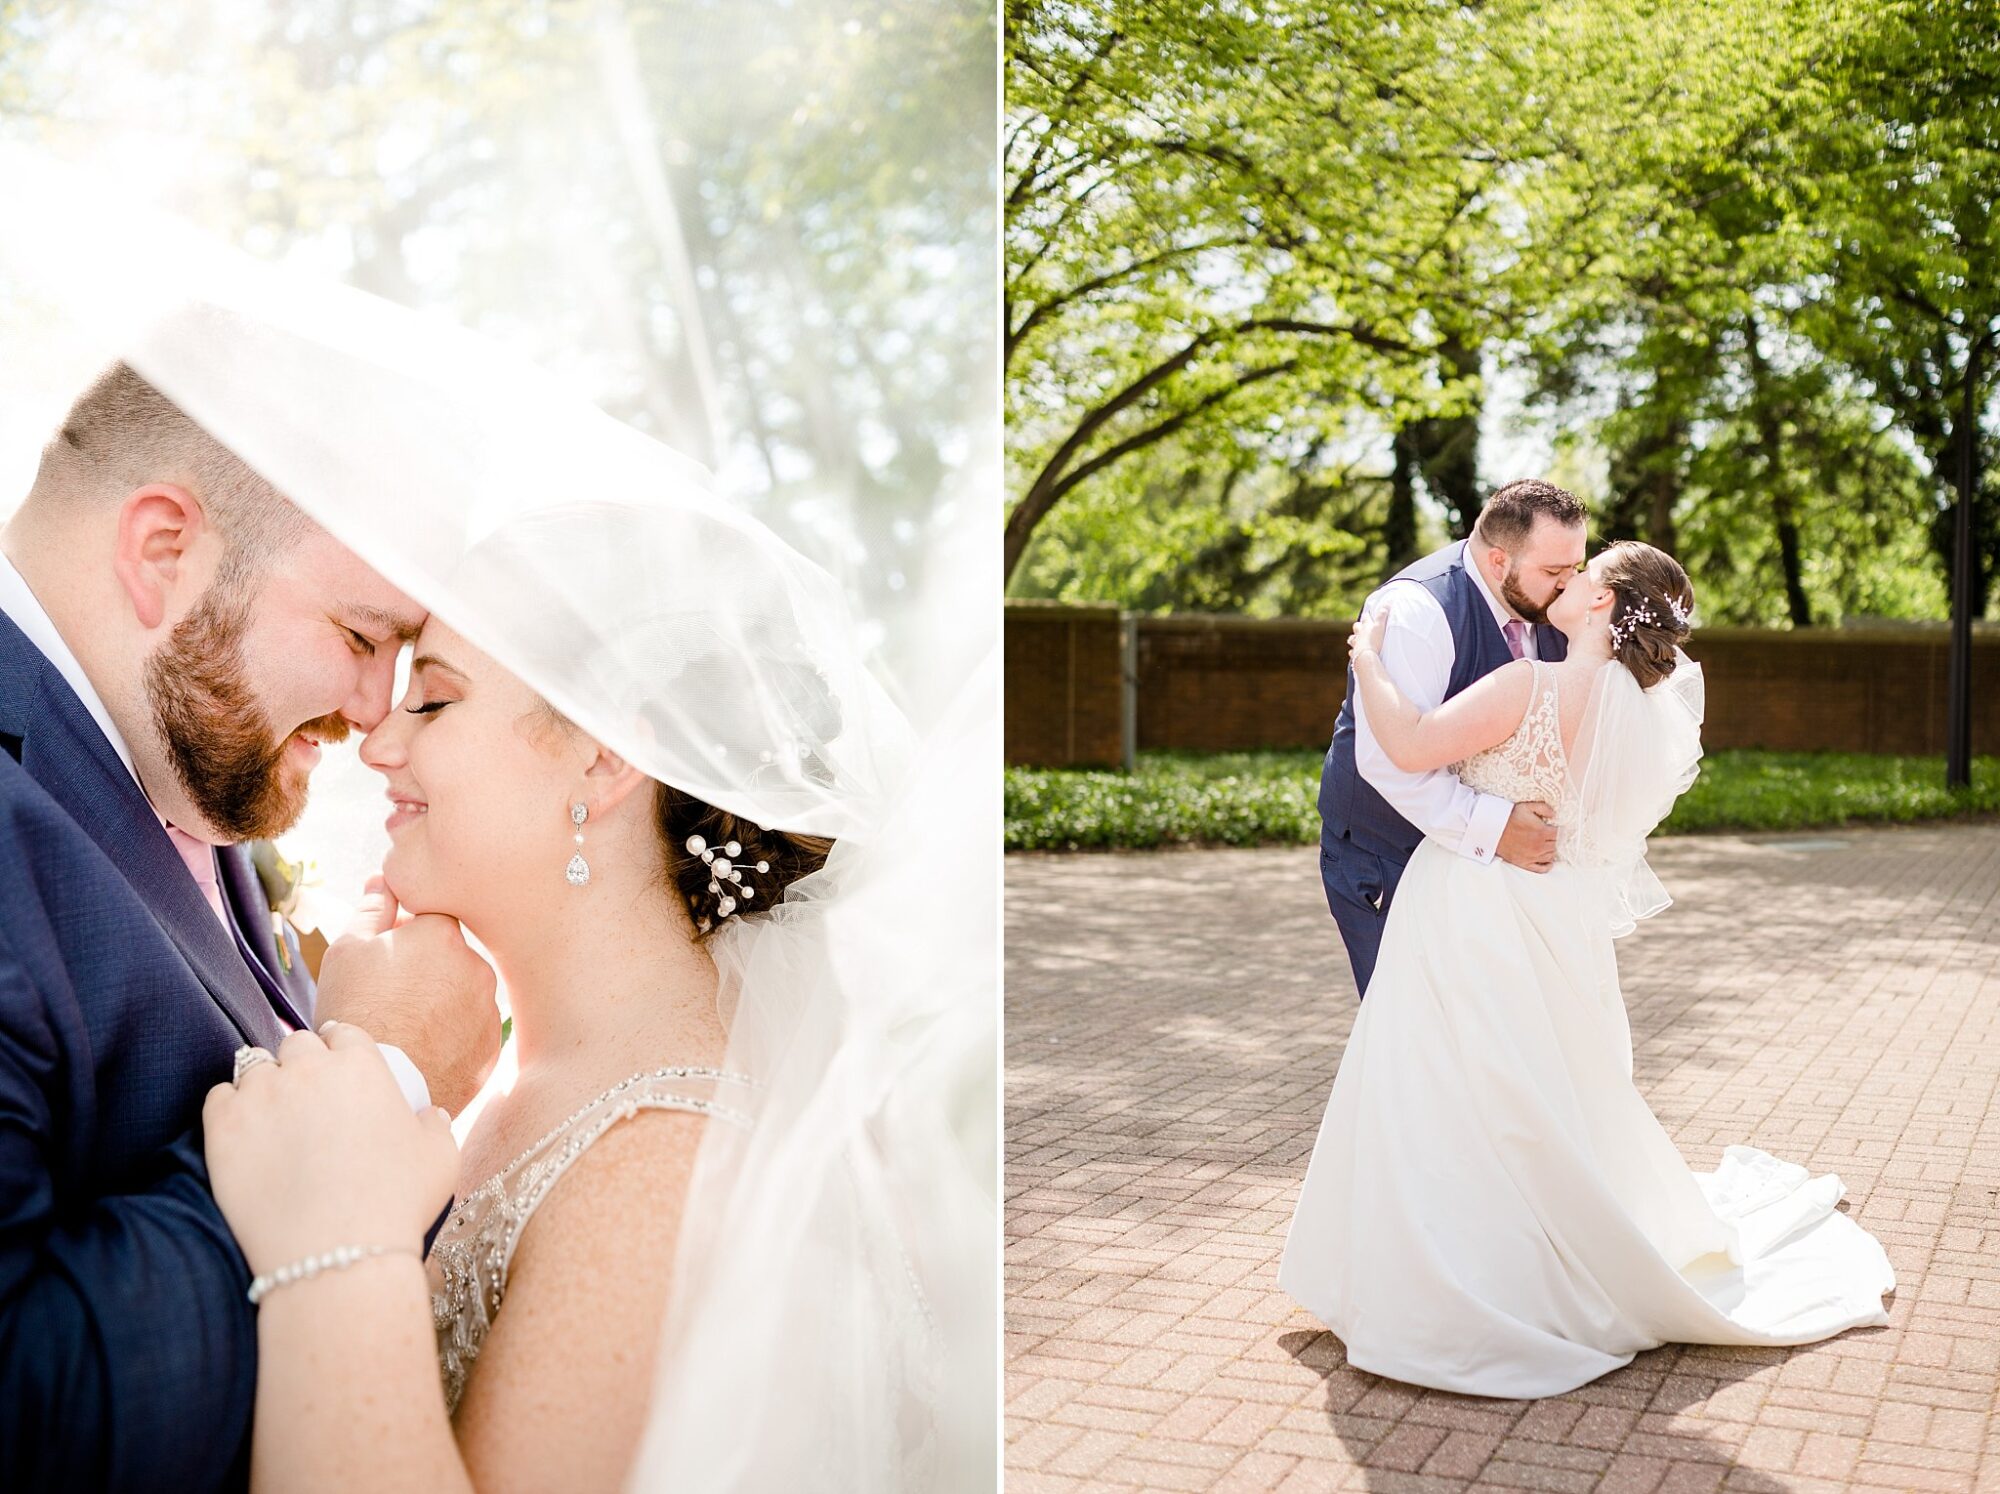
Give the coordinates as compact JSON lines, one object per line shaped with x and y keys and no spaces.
{"x":1510,"y":683}
{"x":559,"y":1395}
{"x":633,"y":1168}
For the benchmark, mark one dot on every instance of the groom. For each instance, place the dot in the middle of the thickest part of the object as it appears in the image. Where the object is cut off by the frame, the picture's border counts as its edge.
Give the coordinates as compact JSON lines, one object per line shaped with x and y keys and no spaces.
{"x":176,"y":640}
{"x":1473,"y":606}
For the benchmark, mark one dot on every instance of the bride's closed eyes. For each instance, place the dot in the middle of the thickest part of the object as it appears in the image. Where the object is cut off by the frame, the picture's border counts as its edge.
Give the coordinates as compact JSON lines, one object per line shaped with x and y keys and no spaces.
{"x":420,"y":670}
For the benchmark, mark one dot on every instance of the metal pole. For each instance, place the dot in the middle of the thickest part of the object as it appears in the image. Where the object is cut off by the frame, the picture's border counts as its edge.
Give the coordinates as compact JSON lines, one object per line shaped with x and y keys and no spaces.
{"x":1958,"y":682}
{"x":1128,"y":691}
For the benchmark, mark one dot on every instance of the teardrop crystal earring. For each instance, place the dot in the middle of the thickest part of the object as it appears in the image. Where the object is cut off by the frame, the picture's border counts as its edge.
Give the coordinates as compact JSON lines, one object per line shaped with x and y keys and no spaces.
{"x":578,"y":870}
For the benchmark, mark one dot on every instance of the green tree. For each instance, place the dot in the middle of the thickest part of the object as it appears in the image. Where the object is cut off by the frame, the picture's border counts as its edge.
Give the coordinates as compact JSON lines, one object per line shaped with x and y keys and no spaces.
{"x":1221,"y":219}
{"x":1904,"y":142}
{"x":1323,"y":222}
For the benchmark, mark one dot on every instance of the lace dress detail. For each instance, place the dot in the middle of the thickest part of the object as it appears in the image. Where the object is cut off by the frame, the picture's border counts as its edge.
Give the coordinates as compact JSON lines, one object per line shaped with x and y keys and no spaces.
{"x":472,"y":1254}
{"x":1531,"y":763}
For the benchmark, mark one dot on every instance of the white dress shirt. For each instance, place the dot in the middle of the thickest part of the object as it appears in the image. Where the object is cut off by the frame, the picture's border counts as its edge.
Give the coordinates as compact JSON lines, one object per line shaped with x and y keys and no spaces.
{"x":1418,"y":653}
{"x":26,"y":612}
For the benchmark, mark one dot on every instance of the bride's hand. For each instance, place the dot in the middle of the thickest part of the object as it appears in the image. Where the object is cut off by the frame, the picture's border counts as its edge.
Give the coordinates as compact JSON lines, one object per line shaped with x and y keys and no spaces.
{"x":321,"y":1150}
{"x":1366,"y":634}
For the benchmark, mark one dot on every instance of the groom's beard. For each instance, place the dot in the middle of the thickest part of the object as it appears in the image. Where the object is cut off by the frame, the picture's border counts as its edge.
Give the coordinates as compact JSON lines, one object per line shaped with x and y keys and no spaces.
{"x":217,"y":738}
{"x":1528,"y":611}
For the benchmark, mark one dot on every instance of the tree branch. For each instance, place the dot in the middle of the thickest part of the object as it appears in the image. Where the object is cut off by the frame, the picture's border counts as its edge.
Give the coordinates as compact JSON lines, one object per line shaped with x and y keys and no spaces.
{"x":1112,"y":277}
{"x":1055,"y":479}
{"x":1043,"y":497}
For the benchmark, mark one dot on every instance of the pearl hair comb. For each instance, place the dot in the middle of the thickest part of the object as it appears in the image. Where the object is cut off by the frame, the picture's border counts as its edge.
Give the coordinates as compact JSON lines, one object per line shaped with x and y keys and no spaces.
{"x":722,"y":868}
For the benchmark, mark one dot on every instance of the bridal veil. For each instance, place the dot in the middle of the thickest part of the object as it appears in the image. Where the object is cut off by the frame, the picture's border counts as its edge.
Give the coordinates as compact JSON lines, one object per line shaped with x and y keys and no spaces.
{"x":836,"y":1284}
{"x":1637,"y":751}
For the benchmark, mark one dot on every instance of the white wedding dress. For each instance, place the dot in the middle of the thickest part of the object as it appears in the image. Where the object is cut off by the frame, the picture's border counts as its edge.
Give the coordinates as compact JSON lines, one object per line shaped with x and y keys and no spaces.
{"x":1491,"y":1206}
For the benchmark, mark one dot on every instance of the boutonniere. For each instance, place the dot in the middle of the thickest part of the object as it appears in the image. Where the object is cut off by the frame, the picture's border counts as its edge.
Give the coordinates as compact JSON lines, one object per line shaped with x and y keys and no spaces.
{"x":289,"y":888}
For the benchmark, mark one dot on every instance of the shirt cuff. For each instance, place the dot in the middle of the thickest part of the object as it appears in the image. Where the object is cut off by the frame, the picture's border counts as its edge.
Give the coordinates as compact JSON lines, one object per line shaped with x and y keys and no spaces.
{"x":408,"y":1080}
{"x":1484,"y":827}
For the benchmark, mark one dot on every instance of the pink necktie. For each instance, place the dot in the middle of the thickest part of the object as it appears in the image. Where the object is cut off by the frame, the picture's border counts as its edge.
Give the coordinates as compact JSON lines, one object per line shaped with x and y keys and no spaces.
{"x":1514,"y":629}
{"x":200,"y":858}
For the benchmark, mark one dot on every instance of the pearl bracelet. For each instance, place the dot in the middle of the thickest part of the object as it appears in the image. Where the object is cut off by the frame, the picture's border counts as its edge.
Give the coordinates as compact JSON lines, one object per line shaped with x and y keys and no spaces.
{"x":332,"y":1260}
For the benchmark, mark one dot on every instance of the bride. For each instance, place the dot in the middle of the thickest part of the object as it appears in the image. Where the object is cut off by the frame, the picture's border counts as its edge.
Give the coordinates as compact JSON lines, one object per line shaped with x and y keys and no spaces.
{"x":620,"y":1048}
{"x":723,"y":1230}
{"x":548,"y":1285}
{"x":1491,"y":1207}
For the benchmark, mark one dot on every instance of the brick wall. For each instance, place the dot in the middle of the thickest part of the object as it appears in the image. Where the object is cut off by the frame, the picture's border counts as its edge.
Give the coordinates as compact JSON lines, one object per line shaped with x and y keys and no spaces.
{"x":1224,"y":683}
{"x":1851,"y":690}
{"x":1064,"y":701}
{"x":1217,"y":684}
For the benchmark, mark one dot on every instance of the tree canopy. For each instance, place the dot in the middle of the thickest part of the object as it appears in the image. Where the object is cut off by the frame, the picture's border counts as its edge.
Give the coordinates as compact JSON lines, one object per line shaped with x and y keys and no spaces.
{"x":1269,"y":267}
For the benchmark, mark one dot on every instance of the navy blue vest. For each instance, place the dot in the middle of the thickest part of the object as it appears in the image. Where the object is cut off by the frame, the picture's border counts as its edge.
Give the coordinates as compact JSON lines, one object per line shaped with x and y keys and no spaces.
{"x":1348,"y":808}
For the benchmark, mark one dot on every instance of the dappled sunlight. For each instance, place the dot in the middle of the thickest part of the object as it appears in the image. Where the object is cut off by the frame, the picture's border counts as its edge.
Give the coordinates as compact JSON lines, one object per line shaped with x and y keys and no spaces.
{"x":1174,"y":1023}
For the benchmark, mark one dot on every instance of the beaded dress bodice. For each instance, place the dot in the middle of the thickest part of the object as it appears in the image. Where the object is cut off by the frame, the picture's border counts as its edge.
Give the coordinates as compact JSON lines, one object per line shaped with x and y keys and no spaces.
{"x":1530,"y":764}
{"x":474,"y":1251}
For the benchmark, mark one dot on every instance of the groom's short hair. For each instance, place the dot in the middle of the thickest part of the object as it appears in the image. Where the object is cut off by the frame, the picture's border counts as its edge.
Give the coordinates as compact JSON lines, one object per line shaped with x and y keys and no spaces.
{"x":1508,"y":517}
{"x":122,"y":434}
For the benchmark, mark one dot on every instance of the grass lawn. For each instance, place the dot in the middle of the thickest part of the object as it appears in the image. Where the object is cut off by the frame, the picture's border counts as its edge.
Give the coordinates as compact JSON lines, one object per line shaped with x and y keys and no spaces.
{"x":1267,"y":798}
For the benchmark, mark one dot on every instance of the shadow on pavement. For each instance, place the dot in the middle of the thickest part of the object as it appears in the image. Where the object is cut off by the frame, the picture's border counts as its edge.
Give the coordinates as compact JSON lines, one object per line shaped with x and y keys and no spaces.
{"x":1547,"y":1434}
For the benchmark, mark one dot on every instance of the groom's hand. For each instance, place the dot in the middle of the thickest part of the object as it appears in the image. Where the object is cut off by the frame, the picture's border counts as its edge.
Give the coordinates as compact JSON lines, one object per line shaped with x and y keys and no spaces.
{"x":1529,"y":841}
{"x":413,"y":983}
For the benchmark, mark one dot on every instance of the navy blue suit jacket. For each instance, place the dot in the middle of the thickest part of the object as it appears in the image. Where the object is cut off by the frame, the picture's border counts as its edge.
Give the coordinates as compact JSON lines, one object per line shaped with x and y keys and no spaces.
{"x":127,"y":1350}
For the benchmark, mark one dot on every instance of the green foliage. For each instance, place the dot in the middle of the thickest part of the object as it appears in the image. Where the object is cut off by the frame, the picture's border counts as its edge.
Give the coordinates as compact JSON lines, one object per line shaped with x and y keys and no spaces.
{"x":1810,"y":790}
{"x":1785,"y":349}
{"x":1270,"y":798}
{"x":1236,"y":799}
{"x":1738,"y":250}
{"x":1914,"y":304}
{"x":1863,"y":510}
{"x":1692,"y":458}
{"x":1213,"y":530}
{"x":1231,"y":221}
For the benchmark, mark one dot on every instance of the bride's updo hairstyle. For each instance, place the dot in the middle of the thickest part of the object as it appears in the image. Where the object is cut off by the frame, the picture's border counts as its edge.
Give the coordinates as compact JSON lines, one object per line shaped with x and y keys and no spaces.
{"x":1651,"y":613}
{"x":751,"y":715}
{"x":795,"y":692}
{"x":682,"y":816}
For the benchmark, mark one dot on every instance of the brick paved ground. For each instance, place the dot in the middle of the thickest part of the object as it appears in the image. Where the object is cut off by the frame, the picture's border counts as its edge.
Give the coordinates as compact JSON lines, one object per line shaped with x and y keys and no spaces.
{"x":1173,"y":1024}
